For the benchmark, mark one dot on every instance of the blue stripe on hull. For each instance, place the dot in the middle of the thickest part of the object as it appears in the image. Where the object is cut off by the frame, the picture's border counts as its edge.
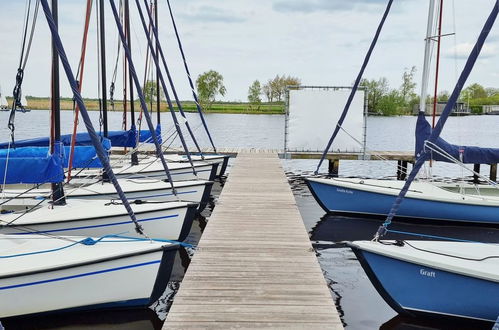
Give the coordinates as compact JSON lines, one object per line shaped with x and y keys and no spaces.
{"x":65,"y":278}
{"x":425,"y":289}
{"x":111,"y":224}
{"x":338,"y":199}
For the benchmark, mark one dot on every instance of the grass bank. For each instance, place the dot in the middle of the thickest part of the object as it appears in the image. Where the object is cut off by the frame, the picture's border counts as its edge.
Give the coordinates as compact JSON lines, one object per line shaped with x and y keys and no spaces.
{"x":41,"y":103}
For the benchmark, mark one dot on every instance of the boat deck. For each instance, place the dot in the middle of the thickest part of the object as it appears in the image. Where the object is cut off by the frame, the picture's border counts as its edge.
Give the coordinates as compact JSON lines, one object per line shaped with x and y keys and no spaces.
{"x":255,"y":266}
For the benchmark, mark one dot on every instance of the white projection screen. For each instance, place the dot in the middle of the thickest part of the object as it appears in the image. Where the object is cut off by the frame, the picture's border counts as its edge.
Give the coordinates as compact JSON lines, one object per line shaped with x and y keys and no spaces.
{"x":312,"y":114}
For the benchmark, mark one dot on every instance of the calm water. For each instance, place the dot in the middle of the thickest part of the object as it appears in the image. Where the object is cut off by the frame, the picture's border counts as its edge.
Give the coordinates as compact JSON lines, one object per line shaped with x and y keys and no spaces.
{"x":359,"y":304}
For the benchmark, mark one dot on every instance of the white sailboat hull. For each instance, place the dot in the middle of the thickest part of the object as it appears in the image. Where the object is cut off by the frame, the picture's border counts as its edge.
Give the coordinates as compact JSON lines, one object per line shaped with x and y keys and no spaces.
{"x":154,"y":170}
{"x":80,"y":276}
{"x":135,"y":189}
{"x":168,"y":221}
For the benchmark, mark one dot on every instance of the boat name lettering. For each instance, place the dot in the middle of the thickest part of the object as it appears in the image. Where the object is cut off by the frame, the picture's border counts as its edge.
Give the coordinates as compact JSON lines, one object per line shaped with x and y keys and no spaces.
{"x":345,"y":191}
{"x":427,"y":273}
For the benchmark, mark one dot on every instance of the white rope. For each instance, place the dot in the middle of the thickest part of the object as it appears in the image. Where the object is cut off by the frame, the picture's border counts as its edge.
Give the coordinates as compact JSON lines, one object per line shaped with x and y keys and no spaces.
{"x":435,"y":148}
{"x":5,"y":172}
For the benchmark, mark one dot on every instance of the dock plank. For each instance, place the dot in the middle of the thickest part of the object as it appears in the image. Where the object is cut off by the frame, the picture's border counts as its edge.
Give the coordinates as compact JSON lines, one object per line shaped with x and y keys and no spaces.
{"x":255,"y":266}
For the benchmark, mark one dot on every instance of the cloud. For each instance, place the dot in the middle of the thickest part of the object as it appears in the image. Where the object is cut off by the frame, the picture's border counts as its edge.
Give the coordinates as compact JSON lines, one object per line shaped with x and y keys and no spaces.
{"x":323,"y":5}
{"x":463,"y":50}
{"x":213,"y":15}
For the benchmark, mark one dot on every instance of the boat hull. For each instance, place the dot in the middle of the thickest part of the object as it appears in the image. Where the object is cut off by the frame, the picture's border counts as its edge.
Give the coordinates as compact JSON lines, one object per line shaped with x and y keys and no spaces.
{"x":127,"y":281}
{"x":340,"y":199}
{"x":167,"y":223}
{"x":148,"y":190}
{"x":204,"y":172}
{"x":411,"y":288}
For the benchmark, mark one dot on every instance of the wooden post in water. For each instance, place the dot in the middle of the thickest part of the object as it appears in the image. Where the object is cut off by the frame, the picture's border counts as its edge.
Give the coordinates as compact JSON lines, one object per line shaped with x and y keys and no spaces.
{"x":334,"y":167}
{"x":476,"y":169}
{"x":493,"y":172}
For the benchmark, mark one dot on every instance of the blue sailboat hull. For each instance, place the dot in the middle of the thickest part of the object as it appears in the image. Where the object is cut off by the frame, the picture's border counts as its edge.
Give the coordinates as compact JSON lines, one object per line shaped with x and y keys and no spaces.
{"x":355,"y":201}
{"x":410,"y":288}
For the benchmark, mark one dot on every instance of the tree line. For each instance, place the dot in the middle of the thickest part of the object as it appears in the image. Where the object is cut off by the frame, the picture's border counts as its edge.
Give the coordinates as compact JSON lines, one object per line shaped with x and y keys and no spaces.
{"x":381,"y":99}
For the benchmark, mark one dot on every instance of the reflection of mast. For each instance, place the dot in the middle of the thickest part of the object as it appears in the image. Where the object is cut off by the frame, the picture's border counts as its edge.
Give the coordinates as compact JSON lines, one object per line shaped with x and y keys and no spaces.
{"x":55,"y":127}
{"x":439,"y":36}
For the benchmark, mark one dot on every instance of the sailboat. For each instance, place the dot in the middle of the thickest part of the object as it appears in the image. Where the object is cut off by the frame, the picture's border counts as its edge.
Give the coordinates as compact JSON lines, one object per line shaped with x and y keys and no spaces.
{"x":438,"y":278}
{"x":40,"y":274}
{"x":4,"y":105}
{"x":78,"y":272}
{"x":425,"y":200}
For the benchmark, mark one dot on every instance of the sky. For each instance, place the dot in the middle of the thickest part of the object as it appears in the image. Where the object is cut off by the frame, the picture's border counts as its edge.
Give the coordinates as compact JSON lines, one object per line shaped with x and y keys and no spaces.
{"x":321,"y":42}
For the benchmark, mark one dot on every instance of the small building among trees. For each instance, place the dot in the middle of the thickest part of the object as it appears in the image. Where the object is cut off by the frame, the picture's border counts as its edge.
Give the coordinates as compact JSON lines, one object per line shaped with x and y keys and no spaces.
{"x":460,"y":108}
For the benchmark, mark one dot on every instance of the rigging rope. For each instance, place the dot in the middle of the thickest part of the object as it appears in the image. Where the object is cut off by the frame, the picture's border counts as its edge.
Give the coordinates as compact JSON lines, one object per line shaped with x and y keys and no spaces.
{"x":79,"y":77}
{"x":443,"y":117}
{"x":194,"y":94}
{"x":25,"y":50}
{"x":88,"y":123}
{"x":165,"y":90}
{"x":141,"y":95}
{"x":115,"y":70}
{"x":355,"y":86}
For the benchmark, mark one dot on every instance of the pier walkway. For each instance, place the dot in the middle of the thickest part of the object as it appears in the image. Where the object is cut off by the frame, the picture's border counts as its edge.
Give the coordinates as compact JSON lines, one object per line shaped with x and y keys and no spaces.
{"x":255,"y":266}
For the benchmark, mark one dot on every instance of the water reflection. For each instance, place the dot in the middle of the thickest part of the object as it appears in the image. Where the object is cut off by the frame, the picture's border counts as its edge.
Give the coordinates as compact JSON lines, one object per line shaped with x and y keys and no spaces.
{"x":126,"y":319}
{"x":406,"y":323}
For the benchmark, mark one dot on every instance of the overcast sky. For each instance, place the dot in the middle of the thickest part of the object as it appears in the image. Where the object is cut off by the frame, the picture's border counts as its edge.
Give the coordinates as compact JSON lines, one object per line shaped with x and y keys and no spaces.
{"x":322,"y":42}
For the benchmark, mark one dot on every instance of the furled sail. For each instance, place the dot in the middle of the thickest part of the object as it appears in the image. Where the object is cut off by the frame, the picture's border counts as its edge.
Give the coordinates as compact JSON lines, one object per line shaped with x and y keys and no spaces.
{"x":465,"y":154}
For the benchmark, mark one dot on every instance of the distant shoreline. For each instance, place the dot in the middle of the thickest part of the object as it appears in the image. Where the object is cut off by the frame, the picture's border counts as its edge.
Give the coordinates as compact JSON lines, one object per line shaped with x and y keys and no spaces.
{"x":41,"y":103}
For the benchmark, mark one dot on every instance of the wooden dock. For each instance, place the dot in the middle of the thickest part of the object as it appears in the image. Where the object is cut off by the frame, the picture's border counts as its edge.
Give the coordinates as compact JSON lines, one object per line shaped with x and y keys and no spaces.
{"x":255,"y":266}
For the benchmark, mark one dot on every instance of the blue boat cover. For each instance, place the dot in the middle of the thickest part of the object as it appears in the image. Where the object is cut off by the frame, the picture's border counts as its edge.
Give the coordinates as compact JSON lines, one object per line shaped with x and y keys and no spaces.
{"x":31,"y":165}
{"x":37,"y":165}
{"x":146,"y":137}
{"x":465,"y":154}
{"x":118,"y":139}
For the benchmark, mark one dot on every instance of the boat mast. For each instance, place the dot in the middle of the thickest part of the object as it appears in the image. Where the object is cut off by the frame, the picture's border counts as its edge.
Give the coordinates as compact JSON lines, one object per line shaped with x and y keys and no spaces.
{"x":158,"y":99}
{"x":57,"y":189}
{"x":135,"y":160}
{"x":427,"y":53}
{"x":439,"y":36}
{"x":102,"y":39}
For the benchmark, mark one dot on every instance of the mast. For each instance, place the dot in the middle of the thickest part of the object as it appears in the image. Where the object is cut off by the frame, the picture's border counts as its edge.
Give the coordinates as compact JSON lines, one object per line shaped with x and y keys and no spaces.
{"x":57,"y":189}
{"x":427,"y":53}
{"x":135,"y":160}
{"x":158,"y":98}
{"x":439,"y":36}
{"x":102,"y":39}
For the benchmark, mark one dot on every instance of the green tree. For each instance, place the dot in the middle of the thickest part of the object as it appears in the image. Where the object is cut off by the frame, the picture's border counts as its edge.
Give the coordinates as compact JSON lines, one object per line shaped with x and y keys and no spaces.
{"x":149,"y":90}
{"x":209,"y":85}
{"x":492,"y":91}
{"x":375,"y":89}
{"x":443,"y":96}
{"x":391,"y":104}
{"x":474,"y":91}
{"x":408,"y":85}
{"x":254,"y":92}
{"x":275,"y":89}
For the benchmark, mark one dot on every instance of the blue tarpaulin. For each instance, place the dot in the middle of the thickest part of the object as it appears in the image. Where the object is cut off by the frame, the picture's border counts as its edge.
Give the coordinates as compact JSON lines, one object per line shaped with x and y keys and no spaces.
{"x":145,"y":136}
{"x":465,"y":154}
{"x":31,"y":165}
{"x":37,"y":165}
{"x":118,"y":139}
